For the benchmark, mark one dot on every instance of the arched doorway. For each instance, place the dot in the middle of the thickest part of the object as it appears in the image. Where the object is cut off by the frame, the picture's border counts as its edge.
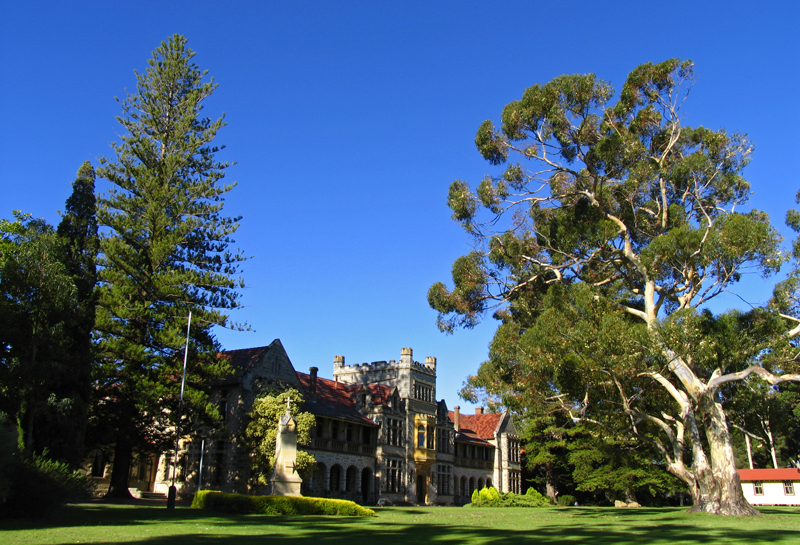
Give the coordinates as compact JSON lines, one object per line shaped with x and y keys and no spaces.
{"x":336,"y":479}
{"x":422,"y":489}
{"x":350,"y":482}
{"x":319,"y":480}
{"x":366,"y":485}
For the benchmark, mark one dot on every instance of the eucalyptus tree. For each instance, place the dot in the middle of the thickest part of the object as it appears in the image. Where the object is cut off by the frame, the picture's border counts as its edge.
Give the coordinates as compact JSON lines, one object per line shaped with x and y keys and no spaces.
{"x":613,"y":214}
{"x":164,"y":253}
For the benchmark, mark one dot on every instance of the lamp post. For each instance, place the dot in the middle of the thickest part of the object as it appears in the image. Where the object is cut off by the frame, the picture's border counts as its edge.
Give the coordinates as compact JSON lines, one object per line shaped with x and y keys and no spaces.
{"x":173,"y":492}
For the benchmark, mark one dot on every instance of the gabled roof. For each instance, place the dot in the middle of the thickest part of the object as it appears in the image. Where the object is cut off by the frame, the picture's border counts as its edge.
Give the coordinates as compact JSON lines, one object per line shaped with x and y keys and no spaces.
{"x":245,"y":358}
{"x":241,"y":361}
{"x":380,"y":393}
{"x":333,"y":400}
{"x":476,"y":427}
{"x":780,"y":474}
{"x":270,"y":361}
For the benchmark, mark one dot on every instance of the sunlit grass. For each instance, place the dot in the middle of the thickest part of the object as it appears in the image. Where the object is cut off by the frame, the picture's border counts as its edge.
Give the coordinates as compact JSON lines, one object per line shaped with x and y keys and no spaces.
{"x":103,"y":523}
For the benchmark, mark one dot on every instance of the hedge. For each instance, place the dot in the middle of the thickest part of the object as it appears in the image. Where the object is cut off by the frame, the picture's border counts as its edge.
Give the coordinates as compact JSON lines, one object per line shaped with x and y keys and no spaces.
{"x":490,"y":497}
{"x":566,"y":500}
{"x":277,"y":505}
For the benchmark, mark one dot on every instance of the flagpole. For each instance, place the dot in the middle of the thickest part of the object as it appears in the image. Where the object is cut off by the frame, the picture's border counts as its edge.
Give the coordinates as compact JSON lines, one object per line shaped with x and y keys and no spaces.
{"x":172,"y":490}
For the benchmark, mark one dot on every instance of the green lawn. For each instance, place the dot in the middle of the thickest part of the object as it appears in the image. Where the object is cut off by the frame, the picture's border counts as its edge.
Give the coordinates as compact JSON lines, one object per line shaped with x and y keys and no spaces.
{"x":104,"y":523}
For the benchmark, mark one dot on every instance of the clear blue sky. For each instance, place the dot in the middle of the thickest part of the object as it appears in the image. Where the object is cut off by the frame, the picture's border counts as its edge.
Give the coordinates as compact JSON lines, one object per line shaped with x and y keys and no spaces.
{"x":349,"y":120}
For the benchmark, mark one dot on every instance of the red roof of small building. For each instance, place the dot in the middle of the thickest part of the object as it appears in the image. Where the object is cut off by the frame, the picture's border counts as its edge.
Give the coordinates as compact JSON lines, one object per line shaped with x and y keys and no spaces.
{"x":780,"y":474}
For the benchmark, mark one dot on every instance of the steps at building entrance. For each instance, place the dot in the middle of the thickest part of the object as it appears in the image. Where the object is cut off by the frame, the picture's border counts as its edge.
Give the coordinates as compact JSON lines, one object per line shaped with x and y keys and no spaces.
{"x":152,"y":496}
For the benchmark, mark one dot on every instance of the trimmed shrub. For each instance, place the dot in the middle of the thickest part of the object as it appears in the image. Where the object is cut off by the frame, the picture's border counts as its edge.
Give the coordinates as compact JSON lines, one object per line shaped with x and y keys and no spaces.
{"x":533,"y":493}
{"x":520,"y":500}
{"x":277,"y":505}
{"x":566,"y":500}
{"x":476,"y":497}
{"x":490,"y":497}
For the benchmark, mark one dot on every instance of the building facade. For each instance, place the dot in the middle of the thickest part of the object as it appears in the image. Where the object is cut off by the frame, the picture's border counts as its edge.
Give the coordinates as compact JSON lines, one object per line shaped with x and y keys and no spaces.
{"x":771,"y":486}
{"x":380,"y":435}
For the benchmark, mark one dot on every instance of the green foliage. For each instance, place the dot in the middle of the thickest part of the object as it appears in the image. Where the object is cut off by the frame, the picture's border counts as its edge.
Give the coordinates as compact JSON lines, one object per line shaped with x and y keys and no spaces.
{"x":622,"y":224}
{"x":623,"y":177}
{"x":464,"y":301}
{"x":46,"y":320}
{"x":262,"y":430}
{"x":32,"y":485}
{"x":490,"y":497}
{"x":533,"y":493}
{"x":277,"y":505}
{"x":770,"y":415}
{"x":165,"y":253}
{"x":566,"y":500}
{"x":525,"y":500}
{"x":613,"y":467}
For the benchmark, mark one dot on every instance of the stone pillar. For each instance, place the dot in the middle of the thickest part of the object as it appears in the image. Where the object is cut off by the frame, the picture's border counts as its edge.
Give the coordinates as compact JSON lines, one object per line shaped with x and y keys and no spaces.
{"x":285,"y":480}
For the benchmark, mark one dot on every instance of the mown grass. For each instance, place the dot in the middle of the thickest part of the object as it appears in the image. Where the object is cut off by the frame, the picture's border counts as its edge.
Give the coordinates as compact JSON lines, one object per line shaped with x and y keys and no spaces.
{"x":155,"y":525}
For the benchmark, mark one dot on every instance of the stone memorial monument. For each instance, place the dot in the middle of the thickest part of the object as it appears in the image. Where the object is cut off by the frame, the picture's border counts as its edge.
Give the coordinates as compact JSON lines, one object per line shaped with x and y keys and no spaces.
{"x":285,"y":480}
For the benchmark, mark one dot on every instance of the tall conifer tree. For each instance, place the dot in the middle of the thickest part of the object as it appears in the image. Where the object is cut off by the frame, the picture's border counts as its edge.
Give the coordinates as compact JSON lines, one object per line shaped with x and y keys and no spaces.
{"x":164,"y":253}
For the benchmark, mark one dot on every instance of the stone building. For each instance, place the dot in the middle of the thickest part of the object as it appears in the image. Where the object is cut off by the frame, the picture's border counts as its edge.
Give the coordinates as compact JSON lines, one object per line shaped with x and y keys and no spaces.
{"x":380,"y":434}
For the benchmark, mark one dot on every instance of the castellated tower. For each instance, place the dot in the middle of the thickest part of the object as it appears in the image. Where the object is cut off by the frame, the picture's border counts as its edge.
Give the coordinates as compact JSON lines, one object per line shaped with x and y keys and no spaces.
{"x":413,"y":380}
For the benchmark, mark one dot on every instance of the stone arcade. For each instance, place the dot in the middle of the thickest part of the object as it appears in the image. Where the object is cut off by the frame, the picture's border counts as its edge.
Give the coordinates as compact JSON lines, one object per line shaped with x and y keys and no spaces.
{"x":380,"y":434}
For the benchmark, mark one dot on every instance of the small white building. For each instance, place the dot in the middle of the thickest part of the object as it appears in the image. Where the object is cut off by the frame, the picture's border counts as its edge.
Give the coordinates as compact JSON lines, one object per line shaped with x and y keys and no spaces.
{"x":771,"y":486}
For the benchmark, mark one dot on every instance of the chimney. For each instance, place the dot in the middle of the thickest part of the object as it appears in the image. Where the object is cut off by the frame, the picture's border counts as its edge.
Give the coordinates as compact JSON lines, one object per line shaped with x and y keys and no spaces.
{"x":312,"y":386}
{"x":478,"y":411}
{"x":457,"y":417}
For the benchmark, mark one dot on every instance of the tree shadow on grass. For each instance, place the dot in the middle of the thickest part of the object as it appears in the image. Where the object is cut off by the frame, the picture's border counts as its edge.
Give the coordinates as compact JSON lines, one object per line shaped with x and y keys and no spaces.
{"x":423,"y":526}
{"x":782,"y":511}
{"x":295,"y":532}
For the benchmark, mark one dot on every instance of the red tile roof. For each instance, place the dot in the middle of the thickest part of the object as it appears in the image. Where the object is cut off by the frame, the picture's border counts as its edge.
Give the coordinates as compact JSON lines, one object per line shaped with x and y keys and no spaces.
{"x":240,"y":361}
{"x":334,"y":400}
{"x":780,"y":474}
{"x":380,"y":393}
{"x":477,"y":426}
{"x":244,"y":358}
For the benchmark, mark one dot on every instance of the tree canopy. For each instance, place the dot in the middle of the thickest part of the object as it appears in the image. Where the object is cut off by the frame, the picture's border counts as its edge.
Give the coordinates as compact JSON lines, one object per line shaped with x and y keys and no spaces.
{"x":164,"y":252}
{"x":609,"y":226}
{"x":47,"y":312}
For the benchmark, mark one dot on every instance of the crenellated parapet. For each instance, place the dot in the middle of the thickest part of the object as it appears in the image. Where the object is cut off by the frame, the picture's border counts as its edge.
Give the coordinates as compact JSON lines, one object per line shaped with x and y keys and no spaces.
{"x":341,"y":369}
{"x":413,"y":380}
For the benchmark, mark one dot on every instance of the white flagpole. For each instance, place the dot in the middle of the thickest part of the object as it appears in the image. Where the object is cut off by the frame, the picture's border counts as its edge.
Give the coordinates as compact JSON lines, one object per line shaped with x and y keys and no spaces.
{"x":172,"y":489}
